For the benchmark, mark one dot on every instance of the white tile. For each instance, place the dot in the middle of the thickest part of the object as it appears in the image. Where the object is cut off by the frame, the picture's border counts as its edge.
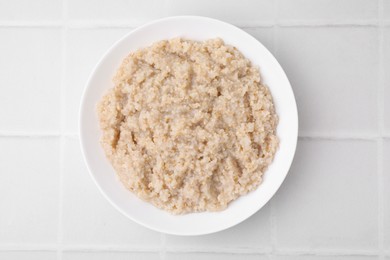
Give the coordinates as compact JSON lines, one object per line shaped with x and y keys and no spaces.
{"x":386,"y":173}
{"x":264,"y":35}
{"x":29,"y":190}
{"x":227,"y":10}
{"x":386,"y":11}
{"x":90,"y":45}
{"x":142,"y":11}
{"x":28,"y":255}
{"x":386,"y":97}
{"x":130,"y":10}
{"x":334,"y":74}
{"x":109,"y":256}
{"x":316,"y":257}
{"x":328,"y":10}
{"x":213,"y":256}
{"x":252,"y":233}
{"x":30,"y":68}
{"x":329,"y":199}
{"x":27,"y":10}
{"x":88,"y":218}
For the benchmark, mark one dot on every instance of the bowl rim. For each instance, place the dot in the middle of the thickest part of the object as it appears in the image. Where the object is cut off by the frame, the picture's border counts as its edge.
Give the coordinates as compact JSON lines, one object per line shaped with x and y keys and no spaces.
{"x":84,"y":151}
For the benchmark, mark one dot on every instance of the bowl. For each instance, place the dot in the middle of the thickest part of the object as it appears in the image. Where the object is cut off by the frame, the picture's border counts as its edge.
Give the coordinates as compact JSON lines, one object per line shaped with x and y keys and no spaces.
{"x":195,"y":28}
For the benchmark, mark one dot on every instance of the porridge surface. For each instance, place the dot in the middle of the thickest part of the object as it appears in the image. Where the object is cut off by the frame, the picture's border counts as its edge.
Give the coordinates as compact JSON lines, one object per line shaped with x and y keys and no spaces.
{"x":188,"y":126}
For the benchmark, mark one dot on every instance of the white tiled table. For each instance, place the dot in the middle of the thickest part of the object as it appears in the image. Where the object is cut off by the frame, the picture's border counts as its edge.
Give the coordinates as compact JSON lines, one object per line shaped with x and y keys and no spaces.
{"x":335,"y":203}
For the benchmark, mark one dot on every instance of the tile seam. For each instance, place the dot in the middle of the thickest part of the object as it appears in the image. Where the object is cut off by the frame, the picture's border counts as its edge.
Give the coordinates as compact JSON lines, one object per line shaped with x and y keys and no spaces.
{"x":381,"y":108}
{"x":95,"y":24}
{"x":163,"y":249}
{"x":62,"y":127}
{"x":249,"y":250}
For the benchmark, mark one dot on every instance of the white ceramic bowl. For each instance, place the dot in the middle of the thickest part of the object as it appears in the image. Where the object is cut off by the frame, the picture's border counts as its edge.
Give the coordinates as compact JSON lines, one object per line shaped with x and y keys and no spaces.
{"x":196,"y":28}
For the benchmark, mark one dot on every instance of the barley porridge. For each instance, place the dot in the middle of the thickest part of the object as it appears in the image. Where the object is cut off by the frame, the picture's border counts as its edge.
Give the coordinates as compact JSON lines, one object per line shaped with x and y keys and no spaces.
{"x":189,"y":126}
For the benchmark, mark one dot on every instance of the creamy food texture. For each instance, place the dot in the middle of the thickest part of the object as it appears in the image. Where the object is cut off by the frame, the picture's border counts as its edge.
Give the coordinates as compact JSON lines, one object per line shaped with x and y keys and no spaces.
{"x":189,"y":126}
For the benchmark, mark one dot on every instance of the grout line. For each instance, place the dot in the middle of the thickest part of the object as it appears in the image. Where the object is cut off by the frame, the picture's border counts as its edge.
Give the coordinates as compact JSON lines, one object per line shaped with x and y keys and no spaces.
{"x":244,"y":27}
{"x":341,"y":137}
{"x":131,"y":24}
{"x":251,"y":24}
{"x":319,"y":23}
{"x":163,"y":249}
{"x":35,"y":247}
{"x":61,"y":196}
{"x":381,"y":83}
{"x":228,"y":250}
{"x":115,"y":248}
{"x":31,"y":24}
{"x":71,"y":135}
{"x":221,"y":251}
{"x":62,"y":124}
{"x":110,"y":248}
{"x":289,"y":252}
{"x":326,"y":253}
{"x":93,"y":24}
{"x":102,"y":24}
{"x":381,"y":109}
{"x":381,"y":219}
{"x":27,"y":134}
{"x":105,"y":24}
